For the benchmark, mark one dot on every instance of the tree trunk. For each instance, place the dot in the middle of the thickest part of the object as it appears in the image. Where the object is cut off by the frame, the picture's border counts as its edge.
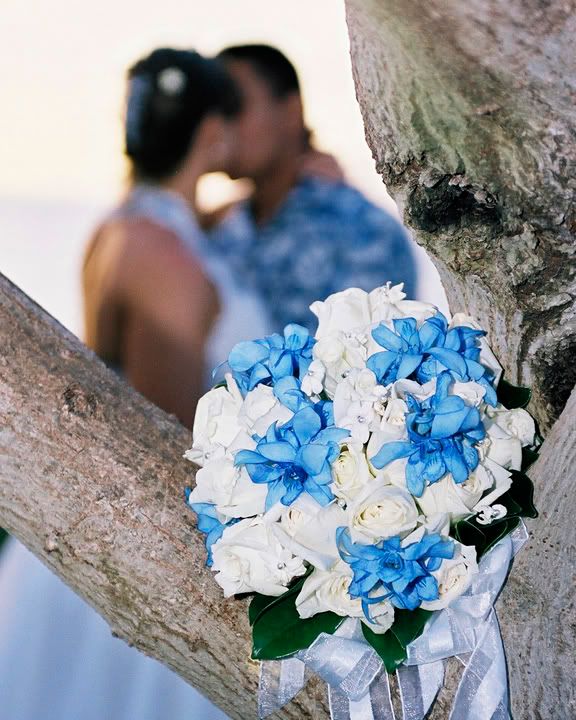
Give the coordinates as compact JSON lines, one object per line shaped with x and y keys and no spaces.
{"x":469,"y":109}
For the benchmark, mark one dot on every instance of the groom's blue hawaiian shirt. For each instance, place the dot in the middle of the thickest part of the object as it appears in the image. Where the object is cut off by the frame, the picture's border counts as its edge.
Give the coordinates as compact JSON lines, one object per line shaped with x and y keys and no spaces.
{"x":326,"y":237}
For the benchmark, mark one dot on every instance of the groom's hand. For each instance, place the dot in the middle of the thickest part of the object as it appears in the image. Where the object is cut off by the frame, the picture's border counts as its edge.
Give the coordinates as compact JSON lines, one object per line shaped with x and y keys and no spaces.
{"x":315,"y":163}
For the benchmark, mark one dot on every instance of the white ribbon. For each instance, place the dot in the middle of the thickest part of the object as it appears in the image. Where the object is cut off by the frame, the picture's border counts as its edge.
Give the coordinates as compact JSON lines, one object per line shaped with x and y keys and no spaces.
{"x":358,"y":686}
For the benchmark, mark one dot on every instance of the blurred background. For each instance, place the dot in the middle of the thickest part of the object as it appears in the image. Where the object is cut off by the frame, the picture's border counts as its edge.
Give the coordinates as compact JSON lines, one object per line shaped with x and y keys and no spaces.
{"x":63,"y":89}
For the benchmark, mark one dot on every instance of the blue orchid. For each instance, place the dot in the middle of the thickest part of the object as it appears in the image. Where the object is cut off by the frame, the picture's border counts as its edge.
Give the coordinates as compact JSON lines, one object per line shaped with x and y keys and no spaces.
{"x":389,"y":571}
{"x":272,"y":358}
{"x":442,"y":433}
{"x":405,"y":347}
{"x":208,"y":523}
{"x":288,"y":390}
{"x":422,"y":353}
{"x":296,"y":457}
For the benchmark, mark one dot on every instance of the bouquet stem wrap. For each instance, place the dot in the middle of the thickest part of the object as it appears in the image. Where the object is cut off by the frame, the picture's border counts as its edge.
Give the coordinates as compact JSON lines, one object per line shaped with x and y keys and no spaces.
{"x":358,"y":685}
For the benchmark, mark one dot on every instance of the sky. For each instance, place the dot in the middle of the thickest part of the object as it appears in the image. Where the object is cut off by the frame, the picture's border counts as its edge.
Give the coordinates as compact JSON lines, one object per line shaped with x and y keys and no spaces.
{"x":62,"y":84}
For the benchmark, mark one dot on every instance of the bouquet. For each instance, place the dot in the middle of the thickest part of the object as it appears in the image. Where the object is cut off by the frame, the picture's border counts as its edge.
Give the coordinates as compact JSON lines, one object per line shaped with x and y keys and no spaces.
{"x":355,"y":483}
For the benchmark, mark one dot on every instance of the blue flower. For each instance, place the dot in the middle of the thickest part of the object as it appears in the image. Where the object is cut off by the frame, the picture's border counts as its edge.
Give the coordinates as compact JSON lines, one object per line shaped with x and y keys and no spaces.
{"x":423,"y":353}
{"x":272,"y":358}
{"x":288,"y":390}
{"x":388,"y":571}
{"x":296,"y":457}
{"x":442,"y":433}
{"x":208,"y":523}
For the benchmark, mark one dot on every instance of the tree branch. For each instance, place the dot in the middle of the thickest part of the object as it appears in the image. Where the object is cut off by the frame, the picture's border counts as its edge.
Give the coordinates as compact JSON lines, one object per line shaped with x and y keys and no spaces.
{"x":92,"y":481}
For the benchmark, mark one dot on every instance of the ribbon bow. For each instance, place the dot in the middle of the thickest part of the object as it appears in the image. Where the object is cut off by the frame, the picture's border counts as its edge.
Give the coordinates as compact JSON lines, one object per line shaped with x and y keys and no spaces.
{"x":358,"y":685}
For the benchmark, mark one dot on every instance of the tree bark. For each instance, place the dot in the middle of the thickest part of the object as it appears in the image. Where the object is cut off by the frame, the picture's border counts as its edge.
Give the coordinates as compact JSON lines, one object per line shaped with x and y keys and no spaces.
{"x":469,"y":109}
{"x":92,"y":481}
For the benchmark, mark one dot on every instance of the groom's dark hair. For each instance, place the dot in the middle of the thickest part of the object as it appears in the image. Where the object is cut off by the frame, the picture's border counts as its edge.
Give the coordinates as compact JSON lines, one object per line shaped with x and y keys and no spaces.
{"x":270,"y":64}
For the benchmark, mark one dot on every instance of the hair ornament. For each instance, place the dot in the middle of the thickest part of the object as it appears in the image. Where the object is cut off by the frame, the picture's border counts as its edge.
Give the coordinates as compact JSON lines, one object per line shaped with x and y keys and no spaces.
{"x":171,"y":81}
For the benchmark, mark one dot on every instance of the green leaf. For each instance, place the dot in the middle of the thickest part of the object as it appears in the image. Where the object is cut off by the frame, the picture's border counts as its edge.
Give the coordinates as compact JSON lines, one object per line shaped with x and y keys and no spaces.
{"x":522,"y":491}
{"x":387,"y":646}
{"x":3,"y":536}
{"x":258,"y":604}
{"x":484,"y":537}
{"x":513,"y":396}
{"x":391,"y":645}
{"x":261,"y":603}
{"x":409,"y":624}
{"x":468,"y":533}
{"x":499,"y":530}
{"x":519,"y":499}
{"x":529,"y":457}
{"x":278,"y":631}
{"x":281,"y":632}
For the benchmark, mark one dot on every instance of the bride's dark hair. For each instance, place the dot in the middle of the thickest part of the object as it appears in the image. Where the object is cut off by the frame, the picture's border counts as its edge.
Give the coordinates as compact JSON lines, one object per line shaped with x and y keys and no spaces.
{"x":170,"y":92}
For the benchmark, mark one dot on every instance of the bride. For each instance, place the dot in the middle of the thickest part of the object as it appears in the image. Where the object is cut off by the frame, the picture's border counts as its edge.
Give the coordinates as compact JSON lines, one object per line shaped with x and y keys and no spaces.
{"x":158,"y":305}
{"x":163,"y":311}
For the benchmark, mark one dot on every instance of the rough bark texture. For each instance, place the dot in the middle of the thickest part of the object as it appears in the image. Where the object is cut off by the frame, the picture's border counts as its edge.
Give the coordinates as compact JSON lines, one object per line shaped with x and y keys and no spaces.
{"x":469,"y":109}
{"x":537,"y":608}
{"x":92,"y":481}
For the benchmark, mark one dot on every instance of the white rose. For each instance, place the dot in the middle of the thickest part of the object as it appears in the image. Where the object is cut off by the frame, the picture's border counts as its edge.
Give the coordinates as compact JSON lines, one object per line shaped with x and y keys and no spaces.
{"x":483,"y":486}
{"x":314,"y":537}
{"x":350,"y":472}
{"x":388,"y":303}
{"x":500,"y":447}
{"x":292,"y":520}
{"x":229,"y":488}
{"x":339,"y":353}
{"x":382,"y":615}
{"x":453,"y":576}
{"x":342,"y":311}
{"x":500,"y":481}
{"x":260,"y":409}
{"x":436,"y":524}
{"x":517,"y":423}
{"x":327,"y":591}
{"x":392,"y":419}
{"x":443,"y":497}
{"x":216,"y":423}
{"x":249,"y":558}
{"x":381,"y":511}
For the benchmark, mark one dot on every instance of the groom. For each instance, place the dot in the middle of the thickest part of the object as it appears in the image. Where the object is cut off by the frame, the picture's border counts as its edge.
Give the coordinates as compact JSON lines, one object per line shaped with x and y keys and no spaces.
{"x":300,"y":236}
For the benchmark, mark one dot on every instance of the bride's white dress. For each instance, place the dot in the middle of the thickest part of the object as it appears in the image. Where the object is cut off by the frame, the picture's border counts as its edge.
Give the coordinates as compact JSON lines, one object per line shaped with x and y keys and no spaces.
{"x":58,"y":658}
